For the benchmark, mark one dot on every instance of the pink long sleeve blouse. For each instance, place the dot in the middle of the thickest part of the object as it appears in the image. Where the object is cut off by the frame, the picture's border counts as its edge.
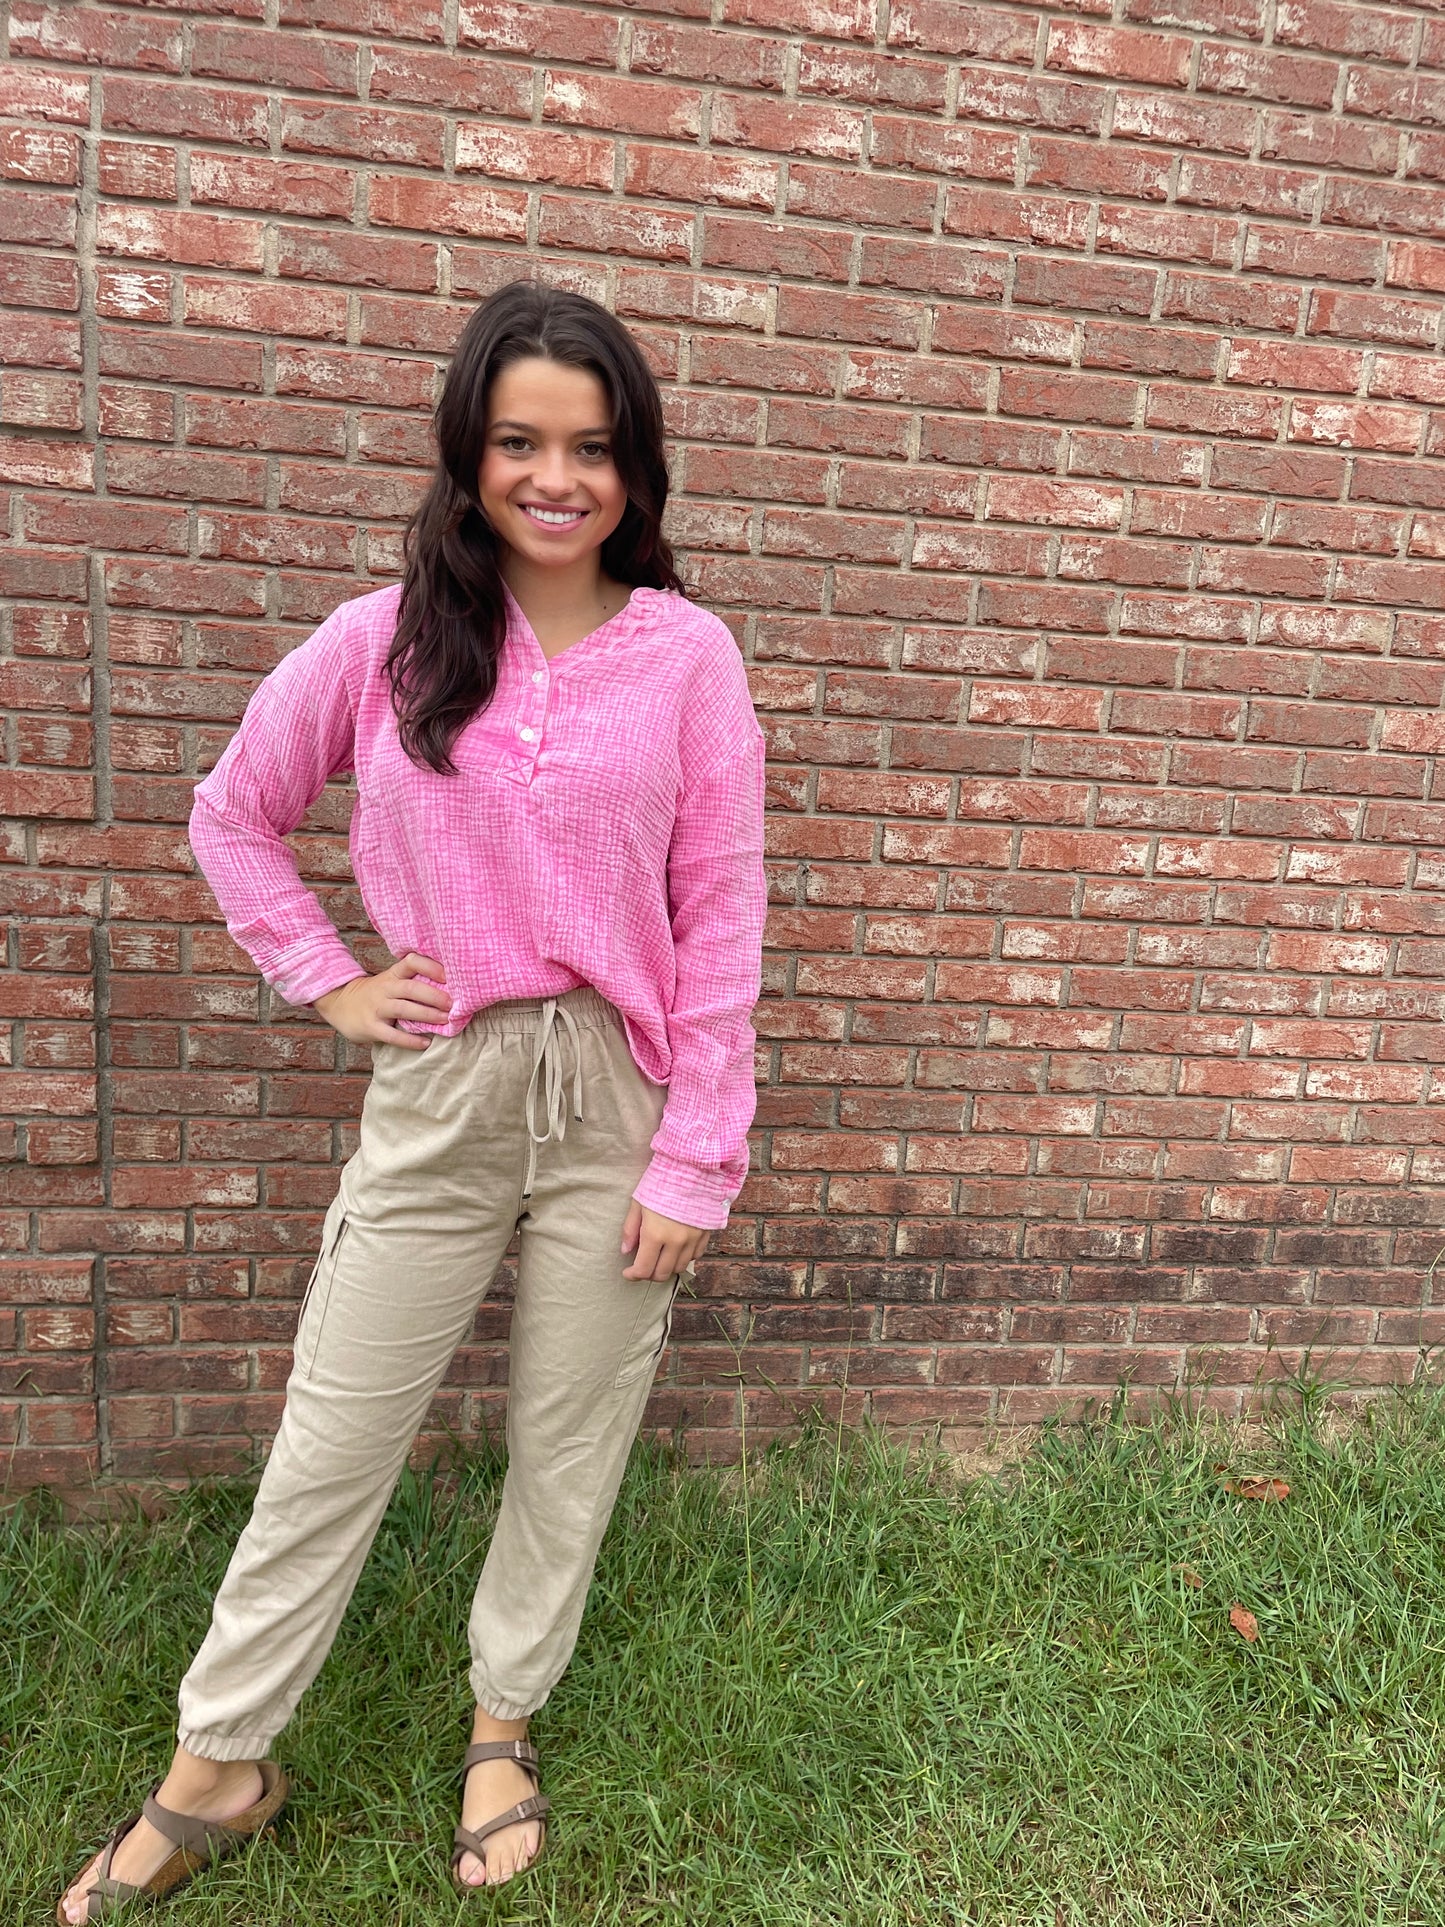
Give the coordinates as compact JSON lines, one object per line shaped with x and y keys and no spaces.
{"x":605,"y":826}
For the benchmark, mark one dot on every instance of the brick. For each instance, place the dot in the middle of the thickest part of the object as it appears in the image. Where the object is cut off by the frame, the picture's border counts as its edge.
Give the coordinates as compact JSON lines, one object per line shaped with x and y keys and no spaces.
{"x":37,"y":220}
{"x":828,"y":193}
{"x":133,"y":294}
{"x":34,"y":573}
{"x":343,"y":374}
{"x":252,"y":307}
{"x":220,"y":422}
{"x":366,"y":133}
{"x":144,"y":170}
{"x":98,"y":38}
{"x":1171,"y":236}
{"x":184,"y":111}
{"x":406,"y":19}
{"x":1338,"y":29}
{"x":142,"y":414}
{"x":1191,"y":123}
{"x":283,"y":187}
{"x":180,"y":586}
{"x":1061,"y":105}
{"x":1290,"y":78}
{"x":942,"y":26}
{"x":1086,"y":167}
{"x":1212,"y":411}
{"x":1286,"y":193}
{"x":530,"y":154}
{"x":358,"y":260}
{"x":183,"y":237}
{"x":509,"y":26}
{"x":1101,"y":287}
{"x":180,"y":474}
{"x":1355,"y":425}
{"x":1047,"y":220}
{"x":147,"y":355}
{"x":886,"y":80}
{"x":1406,"y":378}
{"x":1397,"y":209}
{"x":442,"y":207}
{"x":271,"y":59}
{"x":1066,"y":397}
{"x":46,"y":96}
{"x":39,"y":154}
{"x":39,"y":282}
{"x":1311,"y":254}
{"x":1123,"y":53}
{"x":1373,"y":318}
{"x":1319,"y":141}
{"x":981,"y":153}
{"x":1229,"y":303}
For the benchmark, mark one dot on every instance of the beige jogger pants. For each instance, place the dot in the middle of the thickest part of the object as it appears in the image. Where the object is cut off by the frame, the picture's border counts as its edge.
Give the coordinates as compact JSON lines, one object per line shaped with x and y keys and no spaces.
{"x":449,"y":1164}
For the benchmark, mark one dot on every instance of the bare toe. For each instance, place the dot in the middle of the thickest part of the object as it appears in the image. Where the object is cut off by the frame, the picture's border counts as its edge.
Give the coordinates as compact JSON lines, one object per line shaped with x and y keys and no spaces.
{"x":72,"y":1905}
{"x":491,"y":1787}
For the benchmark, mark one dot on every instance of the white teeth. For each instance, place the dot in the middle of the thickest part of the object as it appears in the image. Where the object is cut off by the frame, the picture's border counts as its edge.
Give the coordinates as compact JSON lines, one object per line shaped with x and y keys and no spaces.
{"x":552,"y":515}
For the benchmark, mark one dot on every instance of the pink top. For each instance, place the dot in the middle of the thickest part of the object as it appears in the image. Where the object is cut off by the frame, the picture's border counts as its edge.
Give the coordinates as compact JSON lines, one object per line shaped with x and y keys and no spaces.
{"x":605,"y":827}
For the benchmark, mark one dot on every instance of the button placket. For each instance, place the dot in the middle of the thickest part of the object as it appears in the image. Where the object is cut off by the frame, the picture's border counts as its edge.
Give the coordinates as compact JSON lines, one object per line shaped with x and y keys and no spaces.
{"x":528,"y":732}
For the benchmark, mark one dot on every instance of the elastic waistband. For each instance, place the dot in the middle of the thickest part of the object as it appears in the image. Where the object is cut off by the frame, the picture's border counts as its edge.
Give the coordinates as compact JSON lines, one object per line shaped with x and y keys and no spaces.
{"x":588,"y":1006}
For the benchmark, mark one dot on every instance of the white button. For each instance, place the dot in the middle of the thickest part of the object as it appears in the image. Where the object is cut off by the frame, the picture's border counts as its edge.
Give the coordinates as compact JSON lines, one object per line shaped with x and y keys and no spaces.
{"x":525,"y":734}
{"x":539,"y":675}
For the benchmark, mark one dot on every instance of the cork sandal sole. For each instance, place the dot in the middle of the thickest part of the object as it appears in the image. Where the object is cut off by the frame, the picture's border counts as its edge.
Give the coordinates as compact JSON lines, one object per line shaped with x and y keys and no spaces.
{"x":197,"y":1843}
{"x":466,"y":1841}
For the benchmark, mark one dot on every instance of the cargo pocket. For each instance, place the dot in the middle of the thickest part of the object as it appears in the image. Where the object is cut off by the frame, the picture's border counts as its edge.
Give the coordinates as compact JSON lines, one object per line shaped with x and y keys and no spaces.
{"x":318,"y":1292}
{"x":645,"y":1344}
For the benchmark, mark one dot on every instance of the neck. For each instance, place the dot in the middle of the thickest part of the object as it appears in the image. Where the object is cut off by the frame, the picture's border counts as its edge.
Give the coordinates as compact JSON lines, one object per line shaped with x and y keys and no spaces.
{"x":558,"y":595}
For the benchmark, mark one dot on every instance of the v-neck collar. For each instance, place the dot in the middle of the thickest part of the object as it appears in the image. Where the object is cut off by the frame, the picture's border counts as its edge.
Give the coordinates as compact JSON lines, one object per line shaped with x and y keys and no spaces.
{"x":519,"y":618}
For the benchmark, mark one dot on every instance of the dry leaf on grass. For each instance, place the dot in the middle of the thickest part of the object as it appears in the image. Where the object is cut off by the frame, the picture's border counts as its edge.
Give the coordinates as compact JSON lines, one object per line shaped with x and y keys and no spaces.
{"x":1244,"y":1622}
{"x":1251,"y":1487}
{"x":1189,"y":1575}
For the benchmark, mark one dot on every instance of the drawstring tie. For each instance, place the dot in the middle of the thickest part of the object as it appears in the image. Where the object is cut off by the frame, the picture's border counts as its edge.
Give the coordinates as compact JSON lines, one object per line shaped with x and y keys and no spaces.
{"x":547,"y":1052}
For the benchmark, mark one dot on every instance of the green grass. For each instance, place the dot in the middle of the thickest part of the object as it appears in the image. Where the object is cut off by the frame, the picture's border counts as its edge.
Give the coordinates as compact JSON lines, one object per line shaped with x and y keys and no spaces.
{"x":851,"y":1687}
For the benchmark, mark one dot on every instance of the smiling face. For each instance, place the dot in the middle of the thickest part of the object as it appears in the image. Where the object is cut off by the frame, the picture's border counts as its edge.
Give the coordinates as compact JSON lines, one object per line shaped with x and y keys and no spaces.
{"x":546,"y":480}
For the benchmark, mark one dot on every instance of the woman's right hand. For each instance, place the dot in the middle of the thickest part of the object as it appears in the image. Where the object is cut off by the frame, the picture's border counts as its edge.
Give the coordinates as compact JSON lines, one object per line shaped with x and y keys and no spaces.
{"x":365,"y":1010}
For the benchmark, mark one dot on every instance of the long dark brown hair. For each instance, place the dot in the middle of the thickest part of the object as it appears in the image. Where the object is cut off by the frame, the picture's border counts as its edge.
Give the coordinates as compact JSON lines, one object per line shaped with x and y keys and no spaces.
{"x":452,"y":621}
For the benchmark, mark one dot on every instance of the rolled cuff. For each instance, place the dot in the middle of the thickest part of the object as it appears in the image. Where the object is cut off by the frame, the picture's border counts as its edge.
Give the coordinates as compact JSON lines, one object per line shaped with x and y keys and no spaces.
{"x":687,"y":1192}
{"x":309,"y":971}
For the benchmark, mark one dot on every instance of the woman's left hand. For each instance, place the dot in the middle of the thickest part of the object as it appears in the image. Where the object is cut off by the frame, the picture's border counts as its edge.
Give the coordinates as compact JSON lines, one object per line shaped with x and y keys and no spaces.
{"x":663,"y":1245}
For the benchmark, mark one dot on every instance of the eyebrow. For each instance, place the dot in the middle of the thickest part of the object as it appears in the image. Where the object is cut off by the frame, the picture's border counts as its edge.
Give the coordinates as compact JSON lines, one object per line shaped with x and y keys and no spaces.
{"x":532,"y":429}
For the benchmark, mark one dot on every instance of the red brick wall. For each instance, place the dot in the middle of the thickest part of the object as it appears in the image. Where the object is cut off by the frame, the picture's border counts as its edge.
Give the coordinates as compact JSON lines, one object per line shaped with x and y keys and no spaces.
{"x":1056,"y":410}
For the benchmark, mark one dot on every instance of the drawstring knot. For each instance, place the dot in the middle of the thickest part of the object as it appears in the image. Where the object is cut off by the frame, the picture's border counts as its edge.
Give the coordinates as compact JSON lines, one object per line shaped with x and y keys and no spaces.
{"x":547,"y":1056}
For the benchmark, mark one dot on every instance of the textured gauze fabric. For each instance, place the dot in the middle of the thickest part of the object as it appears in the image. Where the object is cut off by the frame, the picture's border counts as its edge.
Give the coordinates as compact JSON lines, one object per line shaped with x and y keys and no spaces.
{"x":605,"y":826}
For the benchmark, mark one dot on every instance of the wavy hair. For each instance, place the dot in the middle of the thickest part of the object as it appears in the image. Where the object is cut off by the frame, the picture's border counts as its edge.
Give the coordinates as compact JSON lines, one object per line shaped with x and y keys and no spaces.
{"x":451,"y":623}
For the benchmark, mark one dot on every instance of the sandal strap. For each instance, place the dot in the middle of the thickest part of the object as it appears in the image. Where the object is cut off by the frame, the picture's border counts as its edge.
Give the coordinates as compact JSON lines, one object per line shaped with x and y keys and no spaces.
{"x":185,"y":1830}
{"x":471,"y":1838}
{"x":206,"y":1840}
{"x":105,"y":1890}
{"x":522,"y":1751}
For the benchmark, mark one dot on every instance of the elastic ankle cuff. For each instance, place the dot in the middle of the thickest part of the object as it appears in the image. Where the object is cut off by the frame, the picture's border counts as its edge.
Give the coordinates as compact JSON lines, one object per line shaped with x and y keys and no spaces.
{"x":223,"y":1746}
{"x":503,"y":1709}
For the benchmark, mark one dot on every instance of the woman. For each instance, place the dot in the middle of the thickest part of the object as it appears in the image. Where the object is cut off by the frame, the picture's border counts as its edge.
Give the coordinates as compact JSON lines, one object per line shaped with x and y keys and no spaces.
{"x":558,"y":834}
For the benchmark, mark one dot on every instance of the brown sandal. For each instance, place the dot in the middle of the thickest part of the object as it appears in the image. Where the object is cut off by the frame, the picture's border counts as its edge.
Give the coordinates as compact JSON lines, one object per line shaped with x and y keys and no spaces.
{"x":531,"y":1808}
{"x":197,"y":1842}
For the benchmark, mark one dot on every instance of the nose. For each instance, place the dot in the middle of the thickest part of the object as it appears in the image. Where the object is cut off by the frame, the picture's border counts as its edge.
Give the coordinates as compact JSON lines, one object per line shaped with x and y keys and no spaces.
{"x":553,"y":474}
